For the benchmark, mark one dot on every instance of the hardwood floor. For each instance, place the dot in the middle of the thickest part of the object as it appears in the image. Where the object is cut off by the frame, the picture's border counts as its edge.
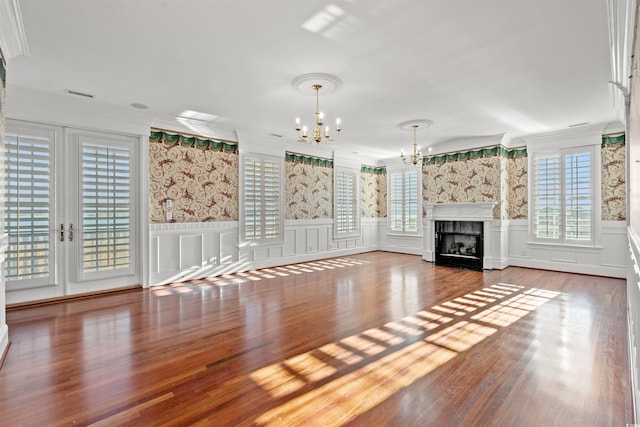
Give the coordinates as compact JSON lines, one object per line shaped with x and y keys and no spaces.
{"x":369,"y":339}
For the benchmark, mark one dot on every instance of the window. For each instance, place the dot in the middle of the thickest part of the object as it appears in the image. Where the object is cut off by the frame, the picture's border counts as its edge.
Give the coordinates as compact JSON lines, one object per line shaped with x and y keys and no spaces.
{"x":346,"y":202}
{"x":403,"y":202}
{"x":262,"y":201}
{"x":563,"y":196}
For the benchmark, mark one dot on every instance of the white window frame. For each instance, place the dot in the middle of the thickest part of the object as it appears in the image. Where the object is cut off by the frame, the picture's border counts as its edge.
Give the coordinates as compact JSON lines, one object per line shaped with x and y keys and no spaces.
{"x":418,"y":199}
{"x":276,"y":240}
{"x":345,"y":202}
{"x":568,"y":147}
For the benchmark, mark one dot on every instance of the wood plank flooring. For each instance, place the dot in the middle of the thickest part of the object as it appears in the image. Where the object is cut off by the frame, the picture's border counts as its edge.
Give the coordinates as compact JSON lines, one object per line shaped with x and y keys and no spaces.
{"x":370,"y":339}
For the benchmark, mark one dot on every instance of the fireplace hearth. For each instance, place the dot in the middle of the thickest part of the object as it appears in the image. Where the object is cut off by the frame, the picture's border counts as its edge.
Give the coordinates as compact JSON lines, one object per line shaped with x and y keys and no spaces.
{"x":459,"y":244}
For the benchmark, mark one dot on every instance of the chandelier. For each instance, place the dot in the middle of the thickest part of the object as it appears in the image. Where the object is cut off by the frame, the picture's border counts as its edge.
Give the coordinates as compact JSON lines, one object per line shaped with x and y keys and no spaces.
{"x":318,"y":133}
{"x":414,"y":159}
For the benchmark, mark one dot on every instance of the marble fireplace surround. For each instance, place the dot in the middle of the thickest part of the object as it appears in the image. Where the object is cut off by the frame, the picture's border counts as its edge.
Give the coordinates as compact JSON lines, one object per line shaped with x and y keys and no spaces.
{"x":459,"y":212}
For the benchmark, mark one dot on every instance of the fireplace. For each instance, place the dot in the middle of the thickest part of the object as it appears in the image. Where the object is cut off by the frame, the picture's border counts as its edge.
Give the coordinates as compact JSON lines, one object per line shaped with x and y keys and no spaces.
{"x":474,"y":245}
{"x":459,"y":244}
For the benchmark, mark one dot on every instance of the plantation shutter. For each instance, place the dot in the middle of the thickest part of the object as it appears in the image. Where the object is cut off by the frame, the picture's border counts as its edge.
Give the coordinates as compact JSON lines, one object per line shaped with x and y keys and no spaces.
{"x":106,"y":208}
{"x":547,"y":196}
{"x":396,"y":201}
{"x":346,"y":207}
{"x":403,"y":193}
{"x":28,"y":167}
{"x":271,"y":196}
{"x":262,"y":199}
{"x":411,"y":201}
{"x":578,"y":195}
{"x":252,"y":200}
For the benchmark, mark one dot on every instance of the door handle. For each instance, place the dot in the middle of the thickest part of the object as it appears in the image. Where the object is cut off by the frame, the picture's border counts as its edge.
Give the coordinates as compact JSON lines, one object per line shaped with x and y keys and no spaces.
{"x":62,"y":232}
{"x":71,"y":232}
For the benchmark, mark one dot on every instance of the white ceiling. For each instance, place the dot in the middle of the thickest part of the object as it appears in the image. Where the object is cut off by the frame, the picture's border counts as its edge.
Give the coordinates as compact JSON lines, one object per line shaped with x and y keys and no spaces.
{"x":473,"y":67}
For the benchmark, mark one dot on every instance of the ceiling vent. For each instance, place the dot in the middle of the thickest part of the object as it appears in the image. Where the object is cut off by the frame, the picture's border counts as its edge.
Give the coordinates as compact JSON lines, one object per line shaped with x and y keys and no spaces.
{"x":75,"y":92}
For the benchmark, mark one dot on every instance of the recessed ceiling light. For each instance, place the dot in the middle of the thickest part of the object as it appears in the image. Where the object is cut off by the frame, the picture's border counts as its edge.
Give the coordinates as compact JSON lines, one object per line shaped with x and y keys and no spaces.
{"x":139,"y":106}
{"x":578,"y":124}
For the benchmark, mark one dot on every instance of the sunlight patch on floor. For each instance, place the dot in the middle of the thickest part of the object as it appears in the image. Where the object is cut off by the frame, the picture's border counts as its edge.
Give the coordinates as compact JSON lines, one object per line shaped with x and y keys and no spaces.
{"x":381,"y":361}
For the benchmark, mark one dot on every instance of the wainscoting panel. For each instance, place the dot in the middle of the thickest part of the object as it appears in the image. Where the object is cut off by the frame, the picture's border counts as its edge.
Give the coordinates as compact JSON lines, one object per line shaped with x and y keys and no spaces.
{"x":289,"y":243}
{"x":562,"y":255}
{"x":154,"y":252}
{"x":227,"y":247}
{"x":313,"y":240}
{"x":191,"y":251}
{"x":633,"y":313}
{"x":261,"y":254}
{"x":604,"y":259}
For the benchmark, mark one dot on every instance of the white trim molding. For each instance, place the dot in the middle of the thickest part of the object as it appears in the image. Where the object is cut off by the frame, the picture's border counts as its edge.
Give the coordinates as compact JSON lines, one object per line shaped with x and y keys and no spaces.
{"x":13,"y":40}
{"x":621,"y":15}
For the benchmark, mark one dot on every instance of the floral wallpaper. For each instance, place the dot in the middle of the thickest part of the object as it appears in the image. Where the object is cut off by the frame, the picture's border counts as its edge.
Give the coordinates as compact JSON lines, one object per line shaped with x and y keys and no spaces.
{"x":199,"y":176}
{"x":374,"y":191}
{"x":614,"y":196}
{"x":468,"y":177}
{"x":517,"y":188}
{"x":308,"y":187}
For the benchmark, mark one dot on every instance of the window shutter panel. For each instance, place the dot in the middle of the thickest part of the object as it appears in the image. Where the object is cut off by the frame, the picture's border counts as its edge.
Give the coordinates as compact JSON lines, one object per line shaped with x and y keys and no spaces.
{"x":27,"y":206}
{"x":547,"y":196}
{"x":347,"y":219}
{"x":106,"y":208}
{"x":403,"y":194}
{"x":578,"y":195}
{"x":262,"y":199}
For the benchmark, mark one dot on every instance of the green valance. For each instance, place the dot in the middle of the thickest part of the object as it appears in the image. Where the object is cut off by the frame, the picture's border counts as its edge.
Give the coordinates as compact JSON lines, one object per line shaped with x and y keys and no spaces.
{"x":377,"y":170}
{"x":496,"y":150}
{"x":307,"y":160}
{"x":613,"y":139}
{"x":186,"y":140}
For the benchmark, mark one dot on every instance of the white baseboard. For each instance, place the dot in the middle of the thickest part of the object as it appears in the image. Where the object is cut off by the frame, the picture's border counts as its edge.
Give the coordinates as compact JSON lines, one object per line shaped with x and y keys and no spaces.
{"x":596,"y":270}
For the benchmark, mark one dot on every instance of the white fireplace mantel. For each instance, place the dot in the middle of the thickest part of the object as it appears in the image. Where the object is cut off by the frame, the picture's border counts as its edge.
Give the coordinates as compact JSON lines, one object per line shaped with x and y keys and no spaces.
{"x":482,"y":211}
{"x":459,"y":211}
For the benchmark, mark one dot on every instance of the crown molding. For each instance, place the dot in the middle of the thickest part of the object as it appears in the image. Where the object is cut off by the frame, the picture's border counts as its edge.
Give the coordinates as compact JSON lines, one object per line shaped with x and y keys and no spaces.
{"x":566,"y":138}
{"x":13,"y":41}
{"x":621,"y":16}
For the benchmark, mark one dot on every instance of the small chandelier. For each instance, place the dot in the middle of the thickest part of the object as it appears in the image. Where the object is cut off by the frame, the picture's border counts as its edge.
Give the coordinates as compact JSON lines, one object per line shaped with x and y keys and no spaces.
{"x":318,"y":133}
{"x":414,"y":159}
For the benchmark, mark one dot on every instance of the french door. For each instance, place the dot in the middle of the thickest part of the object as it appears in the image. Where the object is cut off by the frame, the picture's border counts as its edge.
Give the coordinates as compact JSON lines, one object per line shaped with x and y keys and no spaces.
{"x":70,"y":210}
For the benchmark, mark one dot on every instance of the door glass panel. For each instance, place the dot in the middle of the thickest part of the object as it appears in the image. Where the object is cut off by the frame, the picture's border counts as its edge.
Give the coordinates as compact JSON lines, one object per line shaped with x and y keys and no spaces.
{"x":106,"y":208}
